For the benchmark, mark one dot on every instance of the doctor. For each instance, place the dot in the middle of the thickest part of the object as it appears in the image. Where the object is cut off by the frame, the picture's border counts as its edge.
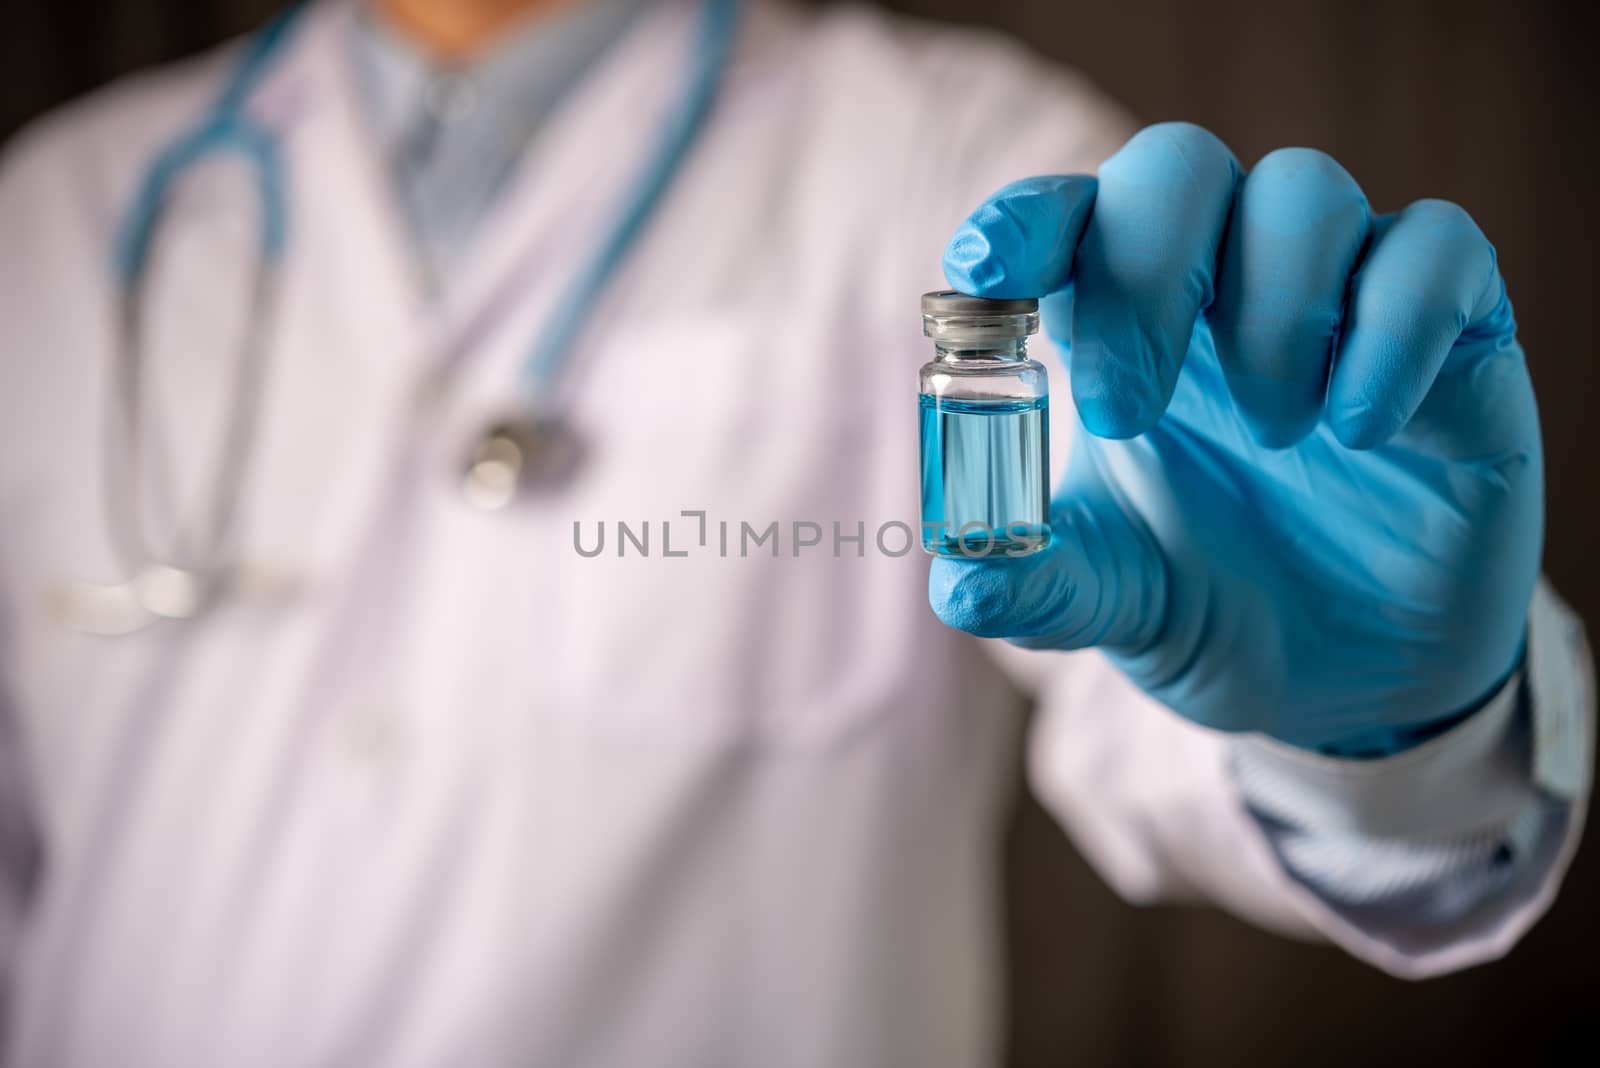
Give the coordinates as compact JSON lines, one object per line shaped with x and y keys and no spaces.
{"x":373,"y":776}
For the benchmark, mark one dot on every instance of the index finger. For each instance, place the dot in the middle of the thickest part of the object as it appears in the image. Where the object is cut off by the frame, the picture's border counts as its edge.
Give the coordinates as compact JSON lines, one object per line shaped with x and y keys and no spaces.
{"x":1019,"y":243}
{"x":1143,"y":272}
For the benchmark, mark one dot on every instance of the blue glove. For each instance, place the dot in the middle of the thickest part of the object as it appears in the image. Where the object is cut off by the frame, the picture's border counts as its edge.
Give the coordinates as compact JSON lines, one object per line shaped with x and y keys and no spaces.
{"x":1306,"y":497}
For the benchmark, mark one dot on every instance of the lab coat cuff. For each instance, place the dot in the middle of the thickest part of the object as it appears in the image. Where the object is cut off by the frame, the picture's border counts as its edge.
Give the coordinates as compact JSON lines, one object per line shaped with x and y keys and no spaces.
{"x":1529,"y":742}
{"x":1472,"y":777}
{"x":1560,"y":697}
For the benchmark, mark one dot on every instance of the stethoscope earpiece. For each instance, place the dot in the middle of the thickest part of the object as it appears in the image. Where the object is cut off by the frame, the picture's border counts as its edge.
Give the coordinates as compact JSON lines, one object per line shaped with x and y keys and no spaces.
{"x":171,"y":592}
{"x":113,"y":609}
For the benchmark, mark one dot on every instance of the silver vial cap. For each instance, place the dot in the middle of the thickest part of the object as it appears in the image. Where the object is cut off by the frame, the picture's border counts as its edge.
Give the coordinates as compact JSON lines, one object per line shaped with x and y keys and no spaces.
{"x":956,"y":317}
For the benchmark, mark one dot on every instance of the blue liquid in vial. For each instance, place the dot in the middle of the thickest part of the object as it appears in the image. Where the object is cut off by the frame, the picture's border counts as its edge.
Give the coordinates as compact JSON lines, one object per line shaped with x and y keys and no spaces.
{"x":985,"y":476}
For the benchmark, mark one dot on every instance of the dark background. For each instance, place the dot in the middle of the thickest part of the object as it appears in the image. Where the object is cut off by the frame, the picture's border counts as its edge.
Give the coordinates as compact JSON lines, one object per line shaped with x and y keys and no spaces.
{"x":1492,"y":105}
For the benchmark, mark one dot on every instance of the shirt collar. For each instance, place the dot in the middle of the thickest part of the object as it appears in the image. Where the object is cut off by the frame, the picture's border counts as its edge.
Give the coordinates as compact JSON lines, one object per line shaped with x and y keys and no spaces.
{"x":515,"y":83}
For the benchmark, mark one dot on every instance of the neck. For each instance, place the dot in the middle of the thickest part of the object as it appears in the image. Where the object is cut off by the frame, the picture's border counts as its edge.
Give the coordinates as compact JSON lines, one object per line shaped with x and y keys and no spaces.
{"x":456,"y":30}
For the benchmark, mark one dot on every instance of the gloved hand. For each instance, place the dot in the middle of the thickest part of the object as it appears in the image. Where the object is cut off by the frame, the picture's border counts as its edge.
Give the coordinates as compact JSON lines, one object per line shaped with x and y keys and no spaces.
{"x":1306,"y":495}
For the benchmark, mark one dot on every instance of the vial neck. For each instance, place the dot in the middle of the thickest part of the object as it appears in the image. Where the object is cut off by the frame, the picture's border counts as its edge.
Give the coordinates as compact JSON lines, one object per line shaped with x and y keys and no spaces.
{"x":1007,"y":350}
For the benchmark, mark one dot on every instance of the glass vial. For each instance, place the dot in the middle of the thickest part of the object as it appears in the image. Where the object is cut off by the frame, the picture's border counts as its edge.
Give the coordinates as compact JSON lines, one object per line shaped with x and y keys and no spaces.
{"x":985,"y":429}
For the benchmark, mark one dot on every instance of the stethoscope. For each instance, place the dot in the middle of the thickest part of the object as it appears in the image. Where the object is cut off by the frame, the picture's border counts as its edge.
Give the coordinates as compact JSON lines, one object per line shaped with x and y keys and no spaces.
{"x":532,"y":446}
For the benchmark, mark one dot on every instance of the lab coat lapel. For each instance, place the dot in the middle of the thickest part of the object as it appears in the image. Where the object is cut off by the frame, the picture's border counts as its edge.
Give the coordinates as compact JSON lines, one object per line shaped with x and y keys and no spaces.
{"x":349,"y":242}
{"x":353,"y":334}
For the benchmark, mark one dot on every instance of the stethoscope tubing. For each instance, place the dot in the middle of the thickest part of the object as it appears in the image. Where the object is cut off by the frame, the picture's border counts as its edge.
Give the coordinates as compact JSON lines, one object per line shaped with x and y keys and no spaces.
{"x":715,"y":34}
{"x":192,"y":572}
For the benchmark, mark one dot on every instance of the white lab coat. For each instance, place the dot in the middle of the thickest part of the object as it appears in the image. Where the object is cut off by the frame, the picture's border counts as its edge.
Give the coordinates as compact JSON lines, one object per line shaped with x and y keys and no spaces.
{"x":449,"y":793}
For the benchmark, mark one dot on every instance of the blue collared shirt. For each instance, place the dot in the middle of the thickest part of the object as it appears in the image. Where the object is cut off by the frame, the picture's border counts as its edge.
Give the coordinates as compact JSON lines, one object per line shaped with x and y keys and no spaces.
{"x":453,"y":134}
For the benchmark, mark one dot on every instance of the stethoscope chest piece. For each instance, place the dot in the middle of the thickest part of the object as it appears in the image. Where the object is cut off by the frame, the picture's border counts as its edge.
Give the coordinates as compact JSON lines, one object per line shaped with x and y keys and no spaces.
{"x":157,"y":592}
{"x":520,"y":454}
